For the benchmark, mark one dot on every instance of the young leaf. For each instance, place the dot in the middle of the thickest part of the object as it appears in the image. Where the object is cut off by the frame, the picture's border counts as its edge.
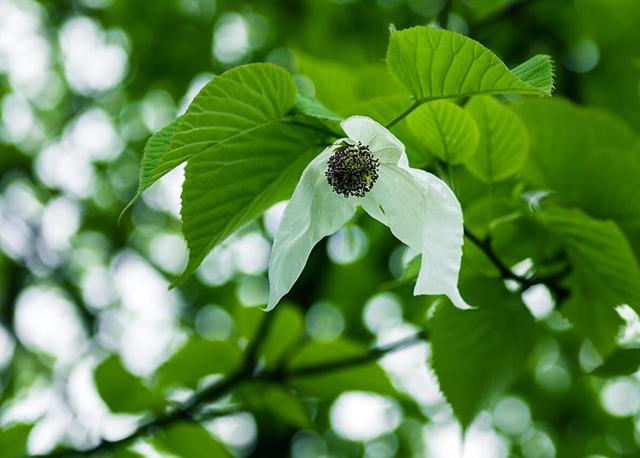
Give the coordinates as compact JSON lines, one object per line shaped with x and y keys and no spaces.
{"x":447,"y":130}
{"x":437,"y":64}
{"x":504,"y":141}
{"x":329,"y":383}
{"x":155,"y":148}
{"x":190,"y":440}
{"x":122,"y":391}
{"x":13,"y":440}
{"x":478,"y":353}
{"x":196,"y":359}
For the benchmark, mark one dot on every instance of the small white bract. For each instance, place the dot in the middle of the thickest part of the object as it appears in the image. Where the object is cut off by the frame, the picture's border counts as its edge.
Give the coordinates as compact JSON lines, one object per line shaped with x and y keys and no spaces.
{"x":418,"y":207}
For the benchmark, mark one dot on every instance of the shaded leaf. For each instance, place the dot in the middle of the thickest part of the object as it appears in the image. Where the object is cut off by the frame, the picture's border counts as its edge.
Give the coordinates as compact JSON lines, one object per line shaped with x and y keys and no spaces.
{"x":13,"y":440}
{"x":624,"y":361}
{"x":606,"y":273}
{"x":196,"y":359}
{"x":190,"y":440}
{"x":368,"y":376}
{"x":284,"y":332}
{"x":447,"y":130}
{"x":309,"y":105}
{"x":122,"y":391}
{"x":478,"y":353}
{"x":504,"y":142}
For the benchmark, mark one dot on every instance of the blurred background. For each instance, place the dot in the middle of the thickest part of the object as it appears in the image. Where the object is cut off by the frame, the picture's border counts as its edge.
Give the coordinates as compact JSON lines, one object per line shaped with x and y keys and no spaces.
{"x":83,"y":83}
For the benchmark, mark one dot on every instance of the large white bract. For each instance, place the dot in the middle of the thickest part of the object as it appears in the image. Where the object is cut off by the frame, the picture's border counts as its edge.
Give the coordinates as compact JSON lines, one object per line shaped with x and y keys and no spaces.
{"x":418,"y":207}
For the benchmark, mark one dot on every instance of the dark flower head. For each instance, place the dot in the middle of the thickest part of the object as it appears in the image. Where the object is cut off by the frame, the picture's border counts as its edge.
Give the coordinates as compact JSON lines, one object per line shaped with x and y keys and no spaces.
{"x":352,"y":170}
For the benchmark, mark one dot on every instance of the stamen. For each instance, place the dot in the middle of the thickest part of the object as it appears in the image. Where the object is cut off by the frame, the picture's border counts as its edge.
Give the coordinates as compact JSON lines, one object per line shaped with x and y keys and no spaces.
{"x":352,"y":170}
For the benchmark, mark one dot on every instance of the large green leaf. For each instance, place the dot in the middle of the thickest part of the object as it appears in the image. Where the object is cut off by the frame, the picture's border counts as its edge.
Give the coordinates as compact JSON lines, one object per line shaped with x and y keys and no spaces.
{"x":155,"y":148}
{"x":586,"y":156}
{"x":122,"y":391}
{"x":606,"y":273}
{"x":196,"y":359}
{"x":601,"y":247}
{"x":478,"y":353}
{"x":329,"y":383}
{"x":225,"y":190}
{"x":190,"y":440}
{"x":13,"y":440}
{"x":447,"y":130}
{"x":504,"y":141}
{"x":242,"y":100}
{"x":436,"y":64}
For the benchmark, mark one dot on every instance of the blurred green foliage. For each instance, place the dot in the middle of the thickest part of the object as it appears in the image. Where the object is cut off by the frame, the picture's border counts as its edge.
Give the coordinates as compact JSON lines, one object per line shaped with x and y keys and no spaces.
{"x":89,"y":331}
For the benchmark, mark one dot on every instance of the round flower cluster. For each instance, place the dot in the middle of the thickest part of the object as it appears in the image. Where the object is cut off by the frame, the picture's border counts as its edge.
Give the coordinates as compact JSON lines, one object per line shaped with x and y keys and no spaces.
{"x":352,"y":170}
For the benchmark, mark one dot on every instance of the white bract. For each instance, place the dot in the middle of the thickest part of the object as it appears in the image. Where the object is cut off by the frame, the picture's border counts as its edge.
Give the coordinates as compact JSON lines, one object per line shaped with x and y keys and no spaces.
{"x":418,"y":207}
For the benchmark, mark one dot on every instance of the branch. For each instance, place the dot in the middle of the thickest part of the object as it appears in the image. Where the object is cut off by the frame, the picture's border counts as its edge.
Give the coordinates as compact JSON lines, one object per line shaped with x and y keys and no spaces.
{"x":550,"y":281}
{"x":246,"y":374}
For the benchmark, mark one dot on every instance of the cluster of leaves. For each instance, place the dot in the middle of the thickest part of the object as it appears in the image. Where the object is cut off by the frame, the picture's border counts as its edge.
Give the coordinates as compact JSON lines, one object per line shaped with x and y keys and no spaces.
{"x":541,"y":180}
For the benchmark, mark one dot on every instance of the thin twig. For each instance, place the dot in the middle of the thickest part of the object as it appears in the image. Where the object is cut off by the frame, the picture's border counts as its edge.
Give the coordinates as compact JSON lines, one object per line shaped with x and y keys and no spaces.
{"x":246,"y":374}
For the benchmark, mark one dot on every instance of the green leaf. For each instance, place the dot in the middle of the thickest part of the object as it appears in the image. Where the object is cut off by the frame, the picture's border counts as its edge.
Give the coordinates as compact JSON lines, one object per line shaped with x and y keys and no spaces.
{"x":284,"y":333}
{"x":122,"y":391}
{"x":308,"y":105}
{"x":276,"y":400}
{"x":155,"y":148}
{"x":624,"y":361}
{"x":225,"y":190}
{"x":606,"y":273}
{"x":573,"y":148}
{"x":437,"y":64}
{"x":196,"y":359}
{"x":242,"y":100}
{"x":340,"y":85}
{"x":478,"y":353}
{"x":125,"y":453}
{"x":190,"y":440}
{"x":504,"y":142}
{"x":13,"y":440}
{"x":447,"y":130}
{"x":601,"y":247}
{"x":367,"y":376}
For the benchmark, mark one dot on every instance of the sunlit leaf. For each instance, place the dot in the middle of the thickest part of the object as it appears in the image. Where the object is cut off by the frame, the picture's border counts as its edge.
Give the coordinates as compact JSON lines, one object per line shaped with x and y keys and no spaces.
{"x":155,"y":148}
{"x":309,"y":105}
{"x":436,"y":64}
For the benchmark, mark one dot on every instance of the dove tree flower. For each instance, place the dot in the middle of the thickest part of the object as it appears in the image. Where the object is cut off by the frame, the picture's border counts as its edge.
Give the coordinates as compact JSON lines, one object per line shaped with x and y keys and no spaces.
{"x":369,"y":169}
